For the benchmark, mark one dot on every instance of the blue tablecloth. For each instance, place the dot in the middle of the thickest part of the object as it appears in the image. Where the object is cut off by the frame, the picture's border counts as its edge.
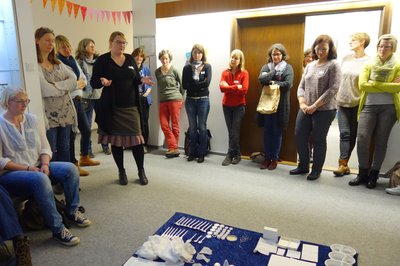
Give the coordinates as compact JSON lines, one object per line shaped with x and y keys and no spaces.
{"x":240,"y":252}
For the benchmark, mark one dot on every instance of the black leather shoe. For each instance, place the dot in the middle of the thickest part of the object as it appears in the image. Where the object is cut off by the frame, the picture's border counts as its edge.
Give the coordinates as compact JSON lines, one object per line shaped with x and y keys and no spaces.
{"x":200,"y":159}
{"x":191,"y":158}
{"x":313,"y":175}
{"x":123,"y":179}
{"x":298,"y":171}
{"x":142,"y":177}
{"x":373,"y":178}
{"x":361,"y":178}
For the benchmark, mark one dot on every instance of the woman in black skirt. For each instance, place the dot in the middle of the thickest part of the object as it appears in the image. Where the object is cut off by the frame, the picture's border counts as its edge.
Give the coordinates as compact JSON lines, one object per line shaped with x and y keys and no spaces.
{"x":118,"y":114}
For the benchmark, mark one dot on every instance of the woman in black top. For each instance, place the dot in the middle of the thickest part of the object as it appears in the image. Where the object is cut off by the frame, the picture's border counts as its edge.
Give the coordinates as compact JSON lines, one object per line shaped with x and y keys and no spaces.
{"x":196,"y":78}
{"x":118,"y":116}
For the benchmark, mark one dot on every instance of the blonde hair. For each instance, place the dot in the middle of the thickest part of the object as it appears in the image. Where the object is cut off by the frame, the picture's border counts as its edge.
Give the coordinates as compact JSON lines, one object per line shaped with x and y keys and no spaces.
{"x":114,"y":35}
{"x":388,"y":37}
{"x":362,"y":36}
{"x":62,"y":40}
{"x":239,"y":54}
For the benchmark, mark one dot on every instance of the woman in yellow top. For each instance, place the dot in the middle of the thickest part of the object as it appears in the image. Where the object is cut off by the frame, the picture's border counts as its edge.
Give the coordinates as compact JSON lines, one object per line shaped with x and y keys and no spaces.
{"x":379,"y":83}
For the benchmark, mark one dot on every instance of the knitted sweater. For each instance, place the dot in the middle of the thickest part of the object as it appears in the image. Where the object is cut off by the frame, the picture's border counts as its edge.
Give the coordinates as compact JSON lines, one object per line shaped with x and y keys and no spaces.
{"x":169,"y":85}
{"x":320,"y":82}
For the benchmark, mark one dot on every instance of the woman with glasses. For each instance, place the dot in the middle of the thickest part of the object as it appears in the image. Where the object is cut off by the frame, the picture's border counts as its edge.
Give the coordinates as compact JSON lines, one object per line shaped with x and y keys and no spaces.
{"x":316,"y":94}
{"x":379,"y":109}
{"x":118,"y":113}
{"x":56,"y":82}
{"x":348,"y":98}
{"x":279,"y":72}
{"x":26,"y":170}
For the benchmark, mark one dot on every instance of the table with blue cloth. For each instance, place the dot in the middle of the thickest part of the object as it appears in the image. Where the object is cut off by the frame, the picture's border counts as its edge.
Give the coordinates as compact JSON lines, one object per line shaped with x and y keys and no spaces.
{"x":239,"y":252}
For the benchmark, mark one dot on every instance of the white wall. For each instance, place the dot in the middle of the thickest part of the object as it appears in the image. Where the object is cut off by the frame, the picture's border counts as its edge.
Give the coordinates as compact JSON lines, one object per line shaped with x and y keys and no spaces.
{"x":212,"y":31}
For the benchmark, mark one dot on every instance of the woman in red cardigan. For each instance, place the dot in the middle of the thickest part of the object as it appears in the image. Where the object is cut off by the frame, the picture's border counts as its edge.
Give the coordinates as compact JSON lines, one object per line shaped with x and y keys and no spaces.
{"x":234,"y":85}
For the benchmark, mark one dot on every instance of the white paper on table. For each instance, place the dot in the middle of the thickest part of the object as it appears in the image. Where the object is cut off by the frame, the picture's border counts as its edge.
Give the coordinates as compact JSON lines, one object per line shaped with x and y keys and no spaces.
{"x":276,"y":260}
{"x":293,"y":254}
{"x":265,"y":247}
{"x":281,"y":252}
{"x":283,"y":243}
{"x":133,"y":261}
{"x":309,"y":252}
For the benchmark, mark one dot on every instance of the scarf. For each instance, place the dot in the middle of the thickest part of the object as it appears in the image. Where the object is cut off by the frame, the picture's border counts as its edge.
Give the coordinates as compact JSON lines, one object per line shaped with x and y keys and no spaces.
{"x":382,"y":71}
{"x":196,"y":65}
{"x":70,"y":61}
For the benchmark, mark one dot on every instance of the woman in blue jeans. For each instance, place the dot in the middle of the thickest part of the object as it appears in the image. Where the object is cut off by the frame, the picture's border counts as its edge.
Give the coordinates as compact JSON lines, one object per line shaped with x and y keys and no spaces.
{"x":11,"y":230}
{"x":64,"y":54}
{"x":25,"y":168}
{"x":56,"y":83}
{"x":196,"y":78}
{"x":379,"y":109}
{"x":280,"y":72}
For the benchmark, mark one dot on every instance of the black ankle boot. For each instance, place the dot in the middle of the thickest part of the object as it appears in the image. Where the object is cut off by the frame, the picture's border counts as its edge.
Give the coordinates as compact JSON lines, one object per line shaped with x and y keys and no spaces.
{"x":22,"y":253}
{"x":362,"y":177}
{"x":373,"y":177}
{"x":123,"y":179}
{"x":142,"y":177}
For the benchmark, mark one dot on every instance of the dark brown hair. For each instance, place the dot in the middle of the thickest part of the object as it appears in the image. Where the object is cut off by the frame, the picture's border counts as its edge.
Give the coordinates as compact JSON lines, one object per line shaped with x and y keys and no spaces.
{"x":332,"y":54}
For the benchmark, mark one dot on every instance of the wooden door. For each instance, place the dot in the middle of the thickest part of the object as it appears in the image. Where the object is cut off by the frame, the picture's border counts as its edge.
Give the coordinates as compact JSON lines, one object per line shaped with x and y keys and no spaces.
{"x":254,"y":36}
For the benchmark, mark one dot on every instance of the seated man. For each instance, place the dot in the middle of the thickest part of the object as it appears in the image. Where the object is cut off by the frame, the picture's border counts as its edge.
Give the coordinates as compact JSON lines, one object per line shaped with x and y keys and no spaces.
{"x":11,"y":230}
{"x":25,"y":168}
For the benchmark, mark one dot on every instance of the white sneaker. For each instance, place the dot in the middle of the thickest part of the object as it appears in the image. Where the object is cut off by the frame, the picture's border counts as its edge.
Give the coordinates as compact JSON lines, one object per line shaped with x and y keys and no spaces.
{"x":393,"y":191}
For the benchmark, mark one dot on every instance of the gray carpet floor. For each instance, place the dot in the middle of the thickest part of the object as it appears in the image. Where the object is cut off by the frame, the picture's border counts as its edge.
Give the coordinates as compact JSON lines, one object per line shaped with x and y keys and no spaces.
{"x":325,"y":211}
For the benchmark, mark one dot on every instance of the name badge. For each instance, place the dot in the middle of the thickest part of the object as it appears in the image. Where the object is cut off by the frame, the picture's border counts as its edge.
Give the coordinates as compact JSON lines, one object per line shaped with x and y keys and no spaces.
{"x":236,"y":81}
{"x":131,"y":67}
{"x":202,"y":72}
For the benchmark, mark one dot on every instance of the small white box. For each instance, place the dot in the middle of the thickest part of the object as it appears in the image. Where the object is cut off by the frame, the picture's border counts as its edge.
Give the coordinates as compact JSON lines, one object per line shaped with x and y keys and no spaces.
{"x":270,"y":234}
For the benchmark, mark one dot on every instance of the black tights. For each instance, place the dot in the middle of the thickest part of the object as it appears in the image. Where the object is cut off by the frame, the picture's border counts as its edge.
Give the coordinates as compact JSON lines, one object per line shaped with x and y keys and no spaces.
{"x":118,"y":154}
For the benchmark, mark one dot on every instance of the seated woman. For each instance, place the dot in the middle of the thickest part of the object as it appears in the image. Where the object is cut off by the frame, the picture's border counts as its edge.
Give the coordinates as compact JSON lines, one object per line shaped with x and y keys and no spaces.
{"x":25,"y":168}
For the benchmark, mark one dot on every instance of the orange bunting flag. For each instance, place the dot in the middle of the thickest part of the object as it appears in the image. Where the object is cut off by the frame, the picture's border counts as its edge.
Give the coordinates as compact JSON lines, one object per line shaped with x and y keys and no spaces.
{"x":76,"y":9}
{"x":53,"y":4}
{"x":61,"y":4}
{"x":69,"y":8}
{"x":83,"y":12}
{"x":44,"y":3}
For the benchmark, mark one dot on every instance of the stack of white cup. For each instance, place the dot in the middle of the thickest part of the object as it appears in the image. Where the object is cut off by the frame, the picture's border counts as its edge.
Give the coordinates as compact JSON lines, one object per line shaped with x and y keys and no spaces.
{"x":341,"y":255}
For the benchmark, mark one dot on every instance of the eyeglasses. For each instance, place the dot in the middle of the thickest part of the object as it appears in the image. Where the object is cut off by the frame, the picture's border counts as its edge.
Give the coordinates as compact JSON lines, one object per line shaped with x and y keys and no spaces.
{"x":121,"y":42}
{"x":321,"y":49}
{"x":27,"y":101}
{"x":386,"y":47}
{"x":277,"y":54}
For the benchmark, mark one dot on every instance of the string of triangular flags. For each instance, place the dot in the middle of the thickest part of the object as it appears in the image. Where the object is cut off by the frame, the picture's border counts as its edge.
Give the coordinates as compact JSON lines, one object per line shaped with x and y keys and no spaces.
{"x":89,"y":12}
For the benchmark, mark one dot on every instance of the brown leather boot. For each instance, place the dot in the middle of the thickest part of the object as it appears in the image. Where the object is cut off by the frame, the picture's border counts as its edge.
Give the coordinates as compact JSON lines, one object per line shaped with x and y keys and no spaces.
{"x":22,"y":253}
{"x":85,"y":160}
{"x":343,"y":168}
{"x":82,"y":172}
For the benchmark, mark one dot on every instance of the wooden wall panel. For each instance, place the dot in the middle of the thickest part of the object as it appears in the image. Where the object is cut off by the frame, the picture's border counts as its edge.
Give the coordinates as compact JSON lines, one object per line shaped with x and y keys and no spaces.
{"x":190,"y":7}
{"x":256,"y":36}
